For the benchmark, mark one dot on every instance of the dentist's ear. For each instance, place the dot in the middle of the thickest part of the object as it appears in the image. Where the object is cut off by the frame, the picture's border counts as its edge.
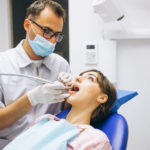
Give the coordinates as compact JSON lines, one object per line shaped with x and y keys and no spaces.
{"x":26,"y":25}
{"x":102,"y":99}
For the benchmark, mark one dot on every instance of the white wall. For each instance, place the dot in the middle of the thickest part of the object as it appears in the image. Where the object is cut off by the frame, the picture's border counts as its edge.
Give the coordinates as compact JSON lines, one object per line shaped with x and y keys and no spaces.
{"x":137,"y":12}
{"x":85,"y":28}
{"x":134,"y":74}
{"x":82,"y":25}
{"x":5,"y":25}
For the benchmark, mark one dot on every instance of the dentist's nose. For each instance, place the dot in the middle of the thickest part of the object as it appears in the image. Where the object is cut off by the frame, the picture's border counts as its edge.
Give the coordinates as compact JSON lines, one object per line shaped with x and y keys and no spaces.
{"x":53,"y":40}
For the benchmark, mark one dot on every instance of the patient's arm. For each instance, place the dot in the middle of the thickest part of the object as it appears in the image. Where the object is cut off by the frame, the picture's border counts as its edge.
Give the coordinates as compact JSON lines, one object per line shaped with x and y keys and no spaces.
{"x":48,"y":116}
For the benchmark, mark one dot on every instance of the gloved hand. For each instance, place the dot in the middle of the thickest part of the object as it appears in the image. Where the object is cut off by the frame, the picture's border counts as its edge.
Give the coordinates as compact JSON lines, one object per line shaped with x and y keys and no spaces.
{"x":48,"y":93}
{"x":66,"y":78}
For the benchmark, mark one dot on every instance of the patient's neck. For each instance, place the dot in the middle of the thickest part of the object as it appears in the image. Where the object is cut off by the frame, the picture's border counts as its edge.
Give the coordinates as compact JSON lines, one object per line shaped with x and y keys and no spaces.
{"x":78,"y":116}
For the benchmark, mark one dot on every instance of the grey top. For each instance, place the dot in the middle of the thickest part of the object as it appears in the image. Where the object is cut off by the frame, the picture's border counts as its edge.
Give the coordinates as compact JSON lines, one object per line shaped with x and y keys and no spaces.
{"x":11,"y":88}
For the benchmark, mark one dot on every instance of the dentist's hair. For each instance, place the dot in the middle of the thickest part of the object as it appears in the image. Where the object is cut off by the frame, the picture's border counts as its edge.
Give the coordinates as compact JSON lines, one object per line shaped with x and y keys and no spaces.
{"x":102,"y":111}
{"x":36,"y":7}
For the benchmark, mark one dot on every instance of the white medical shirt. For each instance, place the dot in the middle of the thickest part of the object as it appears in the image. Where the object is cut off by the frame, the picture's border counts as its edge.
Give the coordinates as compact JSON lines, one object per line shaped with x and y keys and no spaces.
{"x":11,"y":88}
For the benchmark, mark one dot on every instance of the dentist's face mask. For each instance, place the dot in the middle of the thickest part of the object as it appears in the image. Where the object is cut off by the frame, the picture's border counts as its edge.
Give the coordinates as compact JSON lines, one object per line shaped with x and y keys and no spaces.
{"x":40,"y":45}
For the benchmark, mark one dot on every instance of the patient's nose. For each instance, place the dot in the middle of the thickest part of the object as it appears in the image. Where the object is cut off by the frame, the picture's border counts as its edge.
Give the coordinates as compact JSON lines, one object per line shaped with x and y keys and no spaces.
{"x":78,"y":79}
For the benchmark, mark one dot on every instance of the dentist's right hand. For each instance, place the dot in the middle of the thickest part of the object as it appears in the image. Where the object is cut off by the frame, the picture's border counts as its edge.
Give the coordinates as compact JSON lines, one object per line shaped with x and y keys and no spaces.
{"x":48,"y":93}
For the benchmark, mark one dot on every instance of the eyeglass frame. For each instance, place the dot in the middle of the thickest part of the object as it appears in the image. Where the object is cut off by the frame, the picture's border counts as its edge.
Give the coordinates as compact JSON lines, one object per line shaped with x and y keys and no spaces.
{"x":56,"y":34}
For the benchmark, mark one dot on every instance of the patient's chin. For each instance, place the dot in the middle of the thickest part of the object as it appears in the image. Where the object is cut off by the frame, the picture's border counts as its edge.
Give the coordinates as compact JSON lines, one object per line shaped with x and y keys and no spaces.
{"x":68,"y":99}
{"x":71,"y":99}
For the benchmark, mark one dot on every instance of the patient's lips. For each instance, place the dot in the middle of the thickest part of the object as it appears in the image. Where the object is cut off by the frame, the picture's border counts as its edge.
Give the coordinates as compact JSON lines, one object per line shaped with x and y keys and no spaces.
{"x":75,"y":89}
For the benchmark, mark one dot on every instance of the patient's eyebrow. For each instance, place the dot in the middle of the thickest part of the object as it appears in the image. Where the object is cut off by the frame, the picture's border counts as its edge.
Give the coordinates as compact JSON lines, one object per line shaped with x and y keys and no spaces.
{"x":93,"y":75}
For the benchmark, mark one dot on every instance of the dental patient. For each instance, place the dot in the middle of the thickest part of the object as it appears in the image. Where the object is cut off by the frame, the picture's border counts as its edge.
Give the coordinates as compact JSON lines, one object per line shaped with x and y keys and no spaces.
{"x":91,"y":98}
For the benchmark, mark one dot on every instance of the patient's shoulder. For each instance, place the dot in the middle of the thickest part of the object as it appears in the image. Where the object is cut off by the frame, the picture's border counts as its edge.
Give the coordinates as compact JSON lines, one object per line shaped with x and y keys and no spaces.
{"x":94,"y":133}
{"x":96,"y":138}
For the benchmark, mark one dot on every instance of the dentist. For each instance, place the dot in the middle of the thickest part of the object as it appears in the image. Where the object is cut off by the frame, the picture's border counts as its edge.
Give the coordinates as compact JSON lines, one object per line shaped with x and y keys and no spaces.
{"x":22,"y":100}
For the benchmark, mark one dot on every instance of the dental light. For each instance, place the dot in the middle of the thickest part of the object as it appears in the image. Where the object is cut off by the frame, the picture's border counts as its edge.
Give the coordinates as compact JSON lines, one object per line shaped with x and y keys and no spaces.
{"x":108,"y":10}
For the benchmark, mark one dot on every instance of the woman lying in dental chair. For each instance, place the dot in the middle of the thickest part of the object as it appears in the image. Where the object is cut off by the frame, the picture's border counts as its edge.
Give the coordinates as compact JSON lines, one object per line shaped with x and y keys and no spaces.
{"x":91,"y":98}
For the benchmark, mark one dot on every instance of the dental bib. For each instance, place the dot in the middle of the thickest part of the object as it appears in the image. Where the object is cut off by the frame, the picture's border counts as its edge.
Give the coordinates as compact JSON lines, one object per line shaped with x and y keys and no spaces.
{"x":45,"y":135}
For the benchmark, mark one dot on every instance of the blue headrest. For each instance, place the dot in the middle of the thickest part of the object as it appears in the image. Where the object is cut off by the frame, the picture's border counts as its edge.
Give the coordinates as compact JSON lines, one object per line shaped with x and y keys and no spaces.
{"x":116,"y":129}
{"x":123,"y":96}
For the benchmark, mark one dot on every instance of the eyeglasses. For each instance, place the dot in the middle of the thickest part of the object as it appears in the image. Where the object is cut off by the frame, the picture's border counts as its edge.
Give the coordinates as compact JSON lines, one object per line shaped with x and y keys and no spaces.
{"x":48,"y":33}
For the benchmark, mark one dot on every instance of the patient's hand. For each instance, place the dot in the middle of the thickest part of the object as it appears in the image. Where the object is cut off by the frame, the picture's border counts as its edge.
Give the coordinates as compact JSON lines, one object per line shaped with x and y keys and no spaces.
{"x":48,"y":116}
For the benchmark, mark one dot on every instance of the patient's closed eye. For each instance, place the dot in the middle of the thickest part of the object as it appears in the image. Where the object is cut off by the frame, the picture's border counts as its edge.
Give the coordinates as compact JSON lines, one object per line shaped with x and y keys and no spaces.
{"x":91,"y":78}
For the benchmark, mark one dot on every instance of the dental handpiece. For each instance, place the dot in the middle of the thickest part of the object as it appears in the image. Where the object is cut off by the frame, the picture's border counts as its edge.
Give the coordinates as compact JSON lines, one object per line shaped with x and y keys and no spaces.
{"x":36,"y":79}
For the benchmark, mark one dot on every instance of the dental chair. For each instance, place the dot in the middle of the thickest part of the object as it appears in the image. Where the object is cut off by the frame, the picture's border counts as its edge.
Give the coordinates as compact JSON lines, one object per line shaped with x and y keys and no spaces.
{"x":115,"y":127}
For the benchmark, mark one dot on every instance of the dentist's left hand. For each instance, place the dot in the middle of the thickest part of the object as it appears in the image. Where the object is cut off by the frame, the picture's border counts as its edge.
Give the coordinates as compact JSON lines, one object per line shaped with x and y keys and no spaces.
{"x":66,"y":78}
{"x":48,"y":93}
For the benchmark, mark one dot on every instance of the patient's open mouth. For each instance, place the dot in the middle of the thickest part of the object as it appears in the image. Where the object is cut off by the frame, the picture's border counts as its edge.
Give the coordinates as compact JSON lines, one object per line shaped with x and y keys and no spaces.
{"x":75,"y":88}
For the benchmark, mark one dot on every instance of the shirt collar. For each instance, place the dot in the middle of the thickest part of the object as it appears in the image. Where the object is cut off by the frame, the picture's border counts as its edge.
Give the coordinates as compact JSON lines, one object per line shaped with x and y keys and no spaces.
{"x":24,"y":60}
{"x":47,"y":61}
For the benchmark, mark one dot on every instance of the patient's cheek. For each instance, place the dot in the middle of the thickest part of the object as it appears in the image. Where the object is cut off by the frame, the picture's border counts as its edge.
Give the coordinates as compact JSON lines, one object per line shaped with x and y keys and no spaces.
{"x":92,"y":90}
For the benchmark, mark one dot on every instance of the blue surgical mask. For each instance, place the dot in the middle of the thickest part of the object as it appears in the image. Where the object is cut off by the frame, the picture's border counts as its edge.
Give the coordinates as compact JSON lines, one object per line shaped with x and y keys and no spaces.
{"x":41,"y":46}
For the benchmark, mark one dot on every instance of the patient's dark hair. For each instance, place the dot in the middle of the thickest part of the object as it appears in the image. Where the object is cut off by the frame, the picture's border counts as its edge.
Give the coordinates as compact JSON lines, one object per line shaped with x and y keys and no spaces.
{"x":102,"y":111}
{"x":36,"y":7}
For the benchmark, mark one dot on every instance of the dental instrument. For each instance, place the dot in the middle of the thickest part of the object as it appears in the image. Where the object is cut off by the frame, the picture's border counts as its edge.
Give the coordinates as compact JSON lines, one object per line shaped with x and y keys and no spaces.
{"x":36,"y":79}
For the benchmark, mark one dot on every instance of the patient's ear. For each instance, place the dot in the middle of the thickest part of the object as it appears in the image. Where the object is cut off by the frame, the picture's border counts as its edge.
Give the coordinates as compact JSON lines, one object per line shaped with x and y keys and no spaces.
{"x":102,"y":98}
